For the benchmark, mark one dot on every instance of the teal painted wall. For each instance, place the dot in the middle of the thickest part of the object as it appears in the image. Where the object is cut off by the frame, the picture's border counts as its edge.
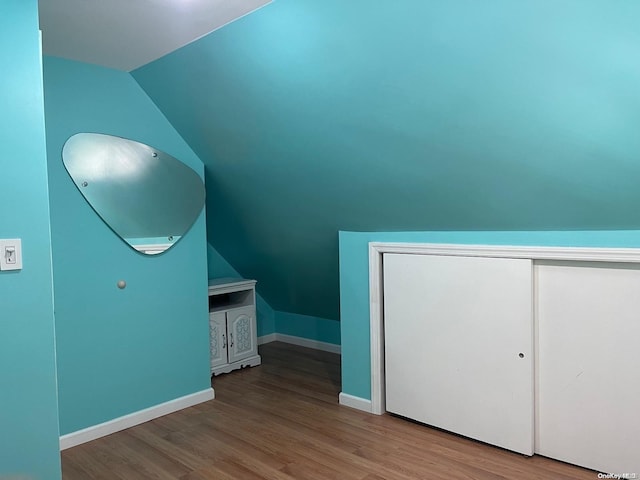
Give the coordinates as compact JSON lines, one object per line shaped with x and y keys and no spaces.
{"x":305,"y":326}
{"x":270,"y":321}
{"x":354,"y":281}
{"x":119,"y":351}
{"x":218,"y":267}
{"x":28,"y":406}
{"x":318,"y":116}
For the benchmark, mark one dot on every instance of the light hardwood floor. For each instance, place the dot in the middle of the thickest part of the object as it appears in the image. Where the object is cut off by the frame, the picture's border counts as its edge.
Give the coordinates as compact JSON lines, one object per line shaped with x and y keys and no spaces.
{"x":282,"y":421}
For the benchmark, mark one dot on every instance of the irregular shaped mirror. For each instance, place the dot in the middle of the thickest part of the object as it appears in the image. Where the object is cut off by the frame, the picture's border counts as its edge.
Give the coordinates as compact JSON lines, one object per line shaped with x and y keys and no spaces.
{"x":149,"y":198}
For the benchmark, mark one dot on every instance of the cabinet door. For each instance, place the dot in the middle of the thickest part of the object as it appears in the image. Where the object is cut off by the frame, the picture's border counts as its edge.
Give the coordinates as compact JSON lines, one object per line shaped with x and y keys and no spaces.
{"x":459,"y":345}
{"x":218,"y":339}
{"x":241,"y":324}
{"x":589,"y":386}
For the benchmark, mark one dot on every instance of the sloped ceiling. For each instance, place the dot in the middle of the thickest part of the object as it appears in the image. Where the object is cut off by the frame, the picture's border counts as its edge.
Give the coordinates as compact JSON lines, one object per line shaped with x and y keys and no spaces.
{"x":314,"y":116}
{"x":125,"y":34}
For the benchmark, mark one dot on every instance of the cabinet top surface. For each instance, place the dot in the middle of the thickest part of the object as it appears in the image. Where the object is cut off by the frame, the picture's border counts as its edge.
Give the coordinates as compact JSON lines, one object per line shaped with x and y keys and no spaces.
{"x":229,"y":282}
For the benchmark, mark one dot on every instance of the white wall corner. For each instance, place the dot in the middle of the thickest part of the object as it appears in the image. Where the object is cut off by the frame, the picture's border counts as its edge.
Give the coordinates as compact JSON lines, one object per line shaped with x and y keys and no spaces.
{"x":355,"y":402}
{"x":127,"y":421}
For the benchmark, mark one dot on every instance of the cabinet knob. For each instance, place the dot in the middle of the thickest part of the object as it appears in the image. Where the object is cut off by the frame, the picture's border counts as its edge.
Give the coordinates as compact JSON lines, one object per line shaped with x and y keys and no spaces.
{"x":521,"y":355}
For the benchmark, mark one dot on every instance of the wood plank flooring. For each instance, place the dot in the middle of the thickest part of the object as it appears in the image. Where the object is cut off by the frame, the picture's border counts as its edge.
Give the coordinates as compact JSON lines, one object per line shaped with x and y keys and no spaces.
{"x":282,"y":421}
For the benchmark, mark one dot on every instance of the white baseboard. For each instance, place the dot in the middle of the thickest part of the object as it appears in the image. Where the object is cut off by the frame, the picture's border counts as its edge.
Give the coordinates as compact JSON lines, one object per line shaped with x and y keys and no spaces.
{"x":305,"y":342}
{"x":355,"y":402}
{"x":300,"y":341}
{"x":267,"y":338}
{"x":103,"y":429}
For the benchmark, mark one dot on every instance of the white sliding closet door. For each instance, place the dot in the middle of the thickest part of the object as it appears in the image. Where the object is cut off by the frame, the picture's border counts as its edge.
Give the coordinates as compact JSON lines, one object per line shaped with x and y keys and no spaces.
{"x":589,"y":365}
{"x":459,"y":345}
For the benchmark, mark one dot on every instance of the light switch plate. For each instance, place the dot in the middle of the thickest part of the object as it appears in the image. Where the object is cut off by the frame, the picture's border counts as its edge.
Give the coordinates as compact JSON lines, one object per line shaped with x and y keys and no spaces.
{"x":10,"y":254}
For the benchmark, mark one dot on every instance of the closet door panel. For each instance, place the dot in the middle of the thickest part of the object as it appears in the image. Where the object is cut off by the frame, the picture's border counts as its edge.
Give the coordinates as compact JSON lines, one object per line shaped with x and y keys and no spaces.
{"x":459,"y":345}
{"x":588,"y":391}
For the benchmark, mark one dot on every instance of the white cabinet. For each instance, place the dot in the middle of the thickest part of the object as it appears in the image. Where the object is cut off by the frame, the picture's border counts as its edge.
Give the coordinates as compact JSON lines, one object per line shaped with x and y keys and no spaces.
{"x":233,"y":341}
{"x":537,"y":356}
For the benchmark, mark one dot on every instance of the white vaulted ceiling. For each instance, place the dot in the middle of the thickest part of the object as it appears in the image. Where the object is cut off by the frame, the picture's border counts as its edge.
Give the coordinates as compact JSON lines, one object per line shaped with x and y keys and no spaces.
{"x":126,"y":34}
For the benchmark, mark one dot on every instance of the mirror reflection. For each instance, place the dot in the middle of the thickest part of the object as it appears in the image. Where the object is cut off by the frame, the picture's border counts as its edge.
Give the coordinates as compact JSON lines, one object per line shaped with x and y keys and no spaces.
{"x":149,"y":198}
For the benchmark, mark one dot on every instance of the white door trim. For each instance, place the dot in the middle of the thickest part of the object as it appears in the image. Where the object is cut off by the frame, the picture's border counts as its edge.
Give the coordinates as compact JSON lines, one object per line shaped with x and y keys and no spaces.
{"x":377,"y":249}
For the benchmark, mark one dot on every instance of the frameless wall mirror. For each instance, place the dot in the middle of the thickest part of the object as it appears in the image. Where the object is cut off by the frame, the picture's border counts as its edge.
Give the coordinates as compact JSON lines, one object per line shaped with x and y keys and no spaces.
{"x":149,"y":198}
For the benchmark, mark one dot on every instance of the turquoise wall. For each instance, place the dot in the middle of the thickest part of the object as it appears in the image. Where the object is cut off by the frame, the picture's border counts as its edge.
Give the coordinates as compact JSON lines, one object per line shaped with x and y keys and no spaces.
{"x":218,"y":267}
{"x":354,"y":281}
{"x":318,"y":116}
{"x":28,"y":407}
{"x":119,"y":351}
{"x":270,"y":321}
{"x":305,"y":326}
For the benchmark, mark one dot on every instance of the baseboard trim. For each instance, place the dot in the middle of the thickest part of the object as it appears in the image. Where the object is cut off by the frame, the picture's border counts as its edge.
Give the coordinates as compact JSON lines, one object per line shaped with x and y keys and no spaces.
{"x":355,"y":402}
{"x":107,"y":428}
{"x":300,"y":341}
{"x":267,"y":338}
